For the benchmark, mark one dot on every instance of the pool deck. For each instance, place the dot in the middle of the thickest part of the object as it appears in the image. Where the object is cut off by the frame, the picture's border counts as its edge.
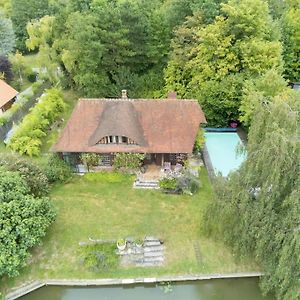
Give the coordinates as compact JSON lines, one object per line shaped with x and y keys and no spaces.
{"x":30,"y":287}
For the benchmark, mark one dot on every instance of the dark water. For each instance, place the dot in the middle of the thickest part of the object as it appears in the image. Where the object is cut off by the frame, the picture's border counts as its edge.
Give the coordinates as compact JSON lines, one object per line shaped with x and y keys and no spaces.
{"x":219,"y":289}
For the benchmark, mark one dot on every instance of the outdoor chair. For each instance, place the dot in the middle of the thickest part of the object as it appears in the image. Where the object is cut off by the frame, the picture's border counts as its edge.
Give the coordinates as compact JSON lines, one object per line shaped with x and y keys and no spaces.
{"x":167,"y":167}
{"x":178,"y":168}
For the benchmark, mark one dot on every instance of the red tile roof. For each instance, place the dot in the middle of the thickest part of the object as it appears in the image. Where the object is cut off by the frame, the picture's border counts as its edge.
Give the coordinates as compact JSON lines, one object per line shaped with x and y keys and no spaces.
{"x":6,"y":93}
{"x":158,"y":126}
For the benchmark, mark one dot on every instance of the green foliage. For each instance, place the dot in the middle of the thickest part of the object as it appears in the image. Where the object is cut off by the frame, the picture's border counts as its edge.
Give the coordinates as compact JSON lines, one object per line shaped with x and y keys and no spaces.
{"x":291,"y":40}
{"x":27,"y":137}
{"x":56,"y":170}
{"x":7,"y":36}
{"x":12,"y":186}
{"x":90,"y":159}
{"x":184,"y":183}
{"x":23,"y":223}
{"x":24,"y":11}
{"x":187,"y":183}
{"x":271,"y":234}
{"x":259,"y":91}
{"x":128,"y":161}
{"x":99,"y":257}
{"x":5,"y":69}
{"x":168,"y":183}
{"x":199,"y":141}
{"x":30,"y":172}
{"x":243,"y":42}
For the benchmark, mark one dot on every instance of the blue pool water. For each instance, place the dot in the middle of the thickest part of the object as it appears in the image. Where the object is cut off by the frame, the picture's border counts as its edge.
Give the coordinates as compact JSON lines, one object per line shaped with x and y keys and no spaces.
{"x":221,"y":147}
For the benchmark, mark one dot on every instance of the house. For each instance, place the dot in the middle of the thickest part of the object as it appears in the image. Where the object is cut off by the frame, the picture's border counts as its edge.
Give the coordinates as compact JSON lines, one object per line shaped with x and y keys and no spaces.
{"x":7,"y":96}
{"x":163,"y":129}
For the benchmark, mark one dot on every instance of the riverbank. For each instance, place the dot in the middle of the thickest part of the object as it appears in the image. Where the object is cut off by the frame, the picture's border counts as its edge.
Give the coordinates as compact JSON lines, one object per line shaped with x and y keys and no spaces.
{"x":23,"y":290}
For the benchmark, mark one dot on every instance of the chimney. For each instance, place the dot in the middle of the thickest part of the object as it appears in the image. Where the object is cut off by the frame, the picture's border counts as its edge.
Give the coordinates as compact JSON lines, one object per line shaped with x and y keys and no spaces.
{"x":172,"y":95}
{"x":124,"y":94}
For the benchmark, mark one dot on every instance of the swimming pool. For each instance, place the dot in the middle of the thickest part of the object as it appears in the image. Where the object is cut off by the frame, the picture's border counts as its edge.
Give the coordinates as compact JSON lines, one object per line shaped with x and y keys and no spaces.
{"x":221,"y":148}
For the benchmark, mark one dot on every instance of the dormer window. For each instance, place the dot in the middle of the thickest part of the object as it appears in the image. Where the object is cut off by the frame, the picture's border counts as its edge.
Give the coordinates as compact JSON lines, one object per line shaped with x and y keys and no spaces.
{"x":116,"y":139}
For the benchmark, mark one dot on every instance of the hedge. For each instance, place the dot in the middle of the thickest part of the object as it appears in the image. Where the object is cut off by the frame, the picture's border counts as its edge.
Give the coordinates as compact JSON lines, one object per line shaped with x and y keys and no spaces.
{"x":27,"y":138}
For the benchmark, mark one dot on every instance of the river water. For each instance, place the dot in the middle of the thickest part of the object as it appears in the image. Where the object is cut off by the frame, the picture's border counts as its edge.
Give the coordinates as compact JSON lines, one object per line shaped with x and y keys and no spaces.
{"x":216,"y":289}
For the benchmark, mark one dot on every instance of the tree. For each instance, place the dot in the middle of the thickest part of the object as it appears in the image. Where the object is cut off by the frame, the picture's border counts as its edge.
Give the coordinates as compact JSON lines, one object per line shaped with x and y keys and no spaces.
{"x":7,"y":36}
{"x":24,"y":11}
{"x":260,"y":91}
{"x":23,"y":223}
{"x":40,"y":37}
{"x":257,"y":207}
{"x":6,"y":68}
{"x":30,"y":172}
{"x":291,"y":40}
{"x":18,"y":65}
{"x":242,"y":43}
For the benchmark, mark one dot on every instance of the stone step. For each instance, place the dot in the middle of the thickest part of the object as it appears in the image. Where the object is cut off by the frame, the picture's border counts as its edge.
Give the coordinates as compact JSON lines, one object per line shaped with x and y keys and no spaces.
{"x":152,"y":243}
{"x":149,"y":264}
{"x":154,"y":259}
{"x":151,"y":238}
{"x":153,"y":254}
{"x":154,"y":248}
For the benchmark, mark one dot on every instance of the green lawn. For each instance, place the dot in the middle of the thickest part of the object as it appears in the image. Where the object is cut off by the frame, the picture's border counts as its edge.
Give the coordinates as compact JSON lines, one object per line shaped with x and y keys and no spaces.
{"x":105,"y":206}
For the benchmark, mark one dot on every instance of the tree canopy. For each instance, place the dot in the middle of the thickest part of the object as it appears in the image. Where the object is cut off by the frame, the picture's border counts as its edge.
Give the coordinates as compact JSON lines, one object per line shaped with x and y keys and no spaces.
{"x":258,"y":206}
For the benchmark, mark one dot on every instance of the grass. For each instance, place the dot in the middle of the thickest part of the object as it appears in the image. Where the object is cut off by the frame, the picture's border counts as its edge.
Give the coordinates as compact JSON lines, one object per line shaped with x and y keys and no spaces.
{"x":105,"y":206}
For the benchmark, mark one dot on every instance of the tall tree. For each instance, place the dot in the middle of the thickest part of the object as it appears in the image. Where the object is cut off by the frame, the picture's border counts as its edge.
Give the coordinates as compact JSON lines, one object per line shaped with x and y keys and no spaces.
{"x":7,"y":36}
{"x":242,"y":43}
{"x":24,"y":11}
{"x":291,"y":40}
{"x":258,"y":206}
{"x":6,"y":68}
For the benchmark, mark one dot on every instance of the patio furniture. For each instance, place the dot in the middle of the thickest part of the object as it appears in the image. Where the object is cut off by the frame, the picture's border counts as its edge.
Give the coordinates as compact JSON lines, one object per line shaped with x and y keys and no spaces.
{"x":178,"y":168}
{"x":167,"y":167}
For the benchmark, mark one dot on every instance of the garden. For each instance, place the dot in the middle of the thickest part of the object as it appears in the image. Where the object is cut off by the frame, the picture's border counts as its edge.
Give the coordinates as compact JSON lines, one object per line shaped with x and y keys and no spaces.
{"x":104,"y":206}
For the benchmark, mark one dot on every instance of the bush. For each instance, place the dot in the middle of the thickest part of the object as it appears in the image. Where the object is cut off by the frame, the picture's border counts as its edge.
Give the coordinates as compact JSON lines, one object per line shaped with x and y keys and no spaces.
{"x":185,"y":183}
{"x":23,"y":223}
{"x":12,"y":186}
{"x":199,"y":141}
{"x":128,"y":161}
{"x":188,"y":183}
{"x":99,"y":257}
{"x":27,"y":137}
{"x":31,"y":77}
{"x":168,"y":183}
{"x":31,"y":173}
{"x":90,"y":159}
{"x":56,"y":170}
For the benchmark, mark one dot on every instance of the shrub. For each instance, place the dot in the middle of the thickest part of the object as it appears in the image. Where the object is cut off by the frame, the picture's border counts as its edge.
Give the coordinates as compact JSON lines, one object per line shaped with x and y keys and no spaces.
{"x":32,"y":174}
{"x":27,"y":137}
{"x":99,"y":257}
{"x":31,"y":77}
{"x":168,"y":183}
{"x":188,"y":183}
{"x":56,"y":170}
{"x":90,"y":159}
{"x":12,"y":186}
{"x":199,"y":141}
{"x":23,"y":223}
{"x":128,"y":161}
{"x":185,"y":183}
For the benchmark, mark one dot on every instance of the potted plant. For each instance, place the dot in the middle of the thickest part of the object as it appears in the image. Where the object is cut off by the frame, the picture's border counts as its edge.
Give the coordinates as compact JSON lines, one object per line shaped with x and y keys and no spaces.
{"x":121,"y":244}
{"x":139,"y":243}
